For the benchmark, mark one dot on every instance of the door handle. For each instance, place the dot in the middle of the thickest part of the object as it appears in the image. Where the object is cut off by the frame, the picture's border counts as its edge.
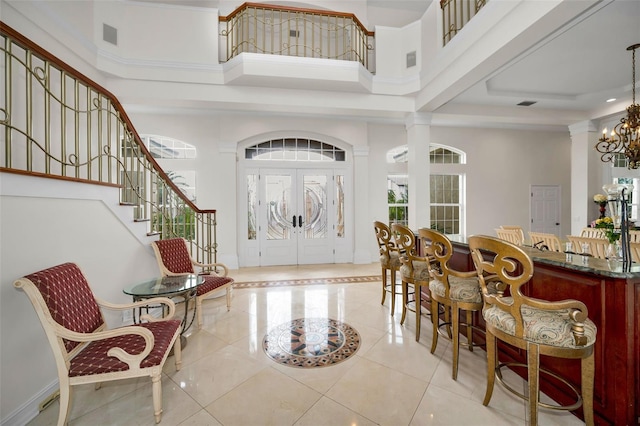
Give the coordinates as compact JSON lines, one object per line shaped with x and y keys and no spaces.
{"x":294,"y":221}
{"x":299,"y":221}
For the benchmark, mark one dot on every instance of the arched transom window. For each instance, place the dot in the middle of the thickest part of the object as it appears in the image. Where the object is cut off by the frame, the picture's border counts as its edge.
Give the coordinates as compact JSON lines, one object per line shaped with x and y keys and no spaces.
{"x":294,"y":149}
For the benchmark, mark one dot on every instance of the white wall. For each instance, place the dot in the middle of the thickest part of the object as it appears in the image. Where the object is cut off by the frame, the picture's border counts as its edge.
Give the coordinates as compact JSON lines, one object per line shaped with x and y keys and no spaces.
{"x":501,"y":166}
{"x":37,"y":232}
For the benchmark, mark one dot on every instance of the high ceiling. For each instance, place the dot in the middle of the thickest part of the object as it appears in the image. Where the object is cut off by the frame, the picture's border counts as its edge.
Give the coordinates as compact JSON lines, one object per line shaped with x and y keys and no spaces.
{"x":568,"y":73}
{"x":578,"y":67}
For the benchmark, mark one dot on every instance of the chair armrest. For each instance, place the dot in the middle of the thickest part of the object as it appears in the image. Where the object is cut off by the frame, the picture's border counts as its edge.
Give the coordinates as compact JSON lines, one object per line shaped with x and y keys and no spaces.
{"x":152,"y":301}
{"x":213,"y":265}
{"x":133,"y":361}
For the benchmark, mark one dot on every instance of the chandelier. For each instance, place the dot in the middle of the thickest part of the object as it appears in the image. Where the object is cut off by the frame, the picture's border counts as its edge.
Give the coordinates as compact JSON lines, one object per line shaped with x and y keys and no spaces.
{"x":625,"y":136}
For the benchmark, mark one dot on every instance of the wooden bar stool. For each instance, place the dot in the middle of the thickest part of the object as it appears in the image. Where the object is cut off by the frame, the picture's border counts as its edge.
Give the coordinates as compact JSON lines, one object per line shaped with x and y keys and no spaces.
{"x":389,"y":261}
{"x":414,"y":270}
{"x":556,"y":329}
{"x":455,"y":291}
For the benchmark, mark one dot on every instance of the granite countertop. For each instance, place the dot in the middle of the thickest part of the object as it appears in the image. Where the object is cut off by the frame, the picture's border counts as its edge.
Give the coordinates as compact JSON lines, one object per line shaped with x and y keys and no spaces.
{"x":577,"y":262}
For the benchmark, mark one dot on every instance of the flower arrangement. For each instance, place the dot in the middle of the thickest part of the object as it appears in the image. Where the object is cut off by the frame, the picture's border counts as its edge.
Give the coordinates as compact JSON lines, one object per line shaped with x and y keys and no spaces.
{"x":600,"y":199}
{"x":606,"y":223}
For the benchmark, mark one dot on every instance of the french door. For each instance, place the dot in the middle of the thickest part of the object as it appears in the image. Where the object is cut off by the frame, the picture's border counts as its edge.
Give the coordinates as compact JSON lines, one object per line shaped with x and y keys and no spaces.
{"x":298,"y":217}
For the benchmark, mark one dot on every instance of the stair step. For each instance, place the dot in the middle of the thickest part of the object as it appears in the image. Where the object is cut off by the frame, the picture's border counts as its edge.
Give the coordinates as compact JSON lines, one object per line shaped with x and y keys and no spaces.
{"x":151,"y":234}
{"x":142,"y":220}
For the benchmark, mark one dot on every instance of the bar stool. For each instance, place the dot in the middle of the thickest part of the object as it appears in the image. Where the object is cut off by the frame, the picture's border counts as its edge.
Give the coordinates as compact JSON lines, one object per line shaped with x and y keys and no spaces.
{"x":414,"y":270}
{"x":556,"y":329}
{"x":389,"y":261}
{"x":454,"y":290}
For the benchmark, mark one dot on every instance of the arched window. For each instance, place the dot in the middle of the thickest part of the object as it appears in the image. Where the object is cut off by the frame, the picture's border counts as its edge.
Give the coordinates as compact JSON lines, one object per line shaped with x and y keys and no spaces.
{"x":438,"y":154}
{"x":294,"y":149}
{"x":168,"y":148}
{"x":165,"y":148}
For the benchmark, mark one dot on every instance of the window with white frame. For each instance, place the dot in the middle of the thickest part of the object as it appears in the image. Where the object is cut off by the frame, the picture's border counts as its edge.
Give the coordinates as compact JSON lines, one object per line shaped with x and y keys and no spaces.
{"x":398,"y":198}
{"x":446,"y":189}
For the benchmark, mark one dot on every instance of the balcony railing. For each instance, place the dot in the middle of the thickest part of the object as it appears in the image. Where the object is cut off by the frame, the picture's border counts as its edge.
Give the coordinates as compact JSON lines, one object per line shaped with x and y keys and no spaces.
{"x":57,"y":123}
{"x":290,"y":31}
{"x":456,"y":14}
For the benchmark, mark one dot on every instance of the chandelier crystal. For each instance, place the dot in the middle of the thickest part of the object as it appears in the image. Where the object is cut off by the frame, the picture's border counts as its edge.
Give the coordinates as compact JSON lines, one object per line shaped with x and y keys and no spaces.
{"x":625,"y":136}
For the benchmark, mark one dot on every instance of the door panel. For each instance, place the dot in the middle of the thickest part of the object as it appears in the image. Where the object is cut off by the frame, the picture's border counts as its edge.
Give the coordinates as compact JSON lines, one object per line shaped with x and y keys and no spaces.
{"x":545,"y":209}
{"x":295,"y":218}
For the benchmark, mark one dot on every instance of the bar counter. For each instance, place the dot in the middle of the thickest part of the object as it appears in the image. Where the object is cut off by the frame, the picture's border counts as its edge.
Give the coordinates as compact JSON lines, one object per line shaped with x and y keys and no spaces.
{"x":613,"y":299}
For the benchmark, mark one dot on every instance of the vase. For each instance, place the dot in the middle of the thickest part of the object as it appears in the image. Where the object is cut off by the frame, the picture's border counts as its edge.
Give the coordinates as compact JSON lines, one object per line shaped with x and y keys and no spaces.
{"x":603,"y":209}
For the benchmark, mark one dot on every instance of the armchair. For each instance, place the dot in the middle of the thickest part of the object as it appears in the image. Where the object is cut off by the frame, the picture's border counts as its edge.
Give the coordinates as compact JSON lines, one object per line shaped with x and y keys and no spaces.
{"x":174,"y":259}
{"x":84,"y":349}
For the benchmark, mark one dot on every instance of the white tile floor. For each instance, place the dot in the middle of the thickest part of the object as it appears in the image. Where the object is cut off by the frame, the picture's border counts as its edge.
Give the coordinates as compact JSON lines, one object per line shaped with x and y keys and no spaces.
{"x":226,"y":378}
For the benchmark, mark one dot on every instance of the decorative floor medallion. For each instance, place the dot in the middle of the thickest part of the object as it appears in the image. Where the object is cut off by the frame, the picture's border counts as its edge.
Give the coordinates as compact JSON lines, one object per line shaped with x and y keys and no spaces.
{"x":311,"y":342}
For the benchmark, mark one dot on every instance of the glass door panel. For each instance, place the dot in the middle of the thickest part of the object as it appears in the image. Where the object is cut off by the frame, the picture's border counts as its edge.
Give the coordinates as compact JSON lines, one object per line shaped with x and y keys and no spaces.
{"x":278,"y":207}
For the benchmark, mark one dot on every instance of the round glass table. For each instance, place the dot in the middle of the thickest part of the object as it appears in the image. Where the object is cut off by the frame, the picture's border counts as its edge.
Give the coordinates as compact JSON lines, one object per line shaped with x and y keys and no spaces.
{"x":183,"y":287}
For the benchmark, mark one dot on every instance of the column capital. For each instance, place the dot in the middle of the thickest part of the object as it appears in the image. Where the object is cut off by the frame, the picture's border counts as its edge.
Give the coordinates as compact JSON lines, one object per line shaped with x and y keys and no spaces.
{"x":582,"y":127}
{"x":418,"y":119}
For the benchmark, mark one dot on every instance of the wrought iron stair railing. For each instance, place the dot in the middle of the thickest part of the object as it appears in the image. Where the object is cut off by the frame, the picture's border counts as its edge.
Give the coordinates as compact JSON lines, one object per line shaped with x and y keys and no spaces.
{"x":57,"y":123}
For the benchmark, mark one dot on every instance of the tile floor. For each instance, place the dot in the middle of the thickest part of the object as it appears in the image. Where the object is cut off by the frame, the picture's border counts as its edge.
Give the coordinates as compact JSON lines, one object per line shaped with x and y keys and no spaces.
{"x":226,"y":378}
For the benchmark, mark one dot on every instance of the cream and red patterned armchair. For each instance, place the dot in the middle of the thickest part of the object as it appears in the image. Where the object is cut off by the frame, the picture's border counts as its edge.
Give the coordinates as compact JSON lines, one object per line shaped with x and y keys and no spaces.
{"x":174,"y":259}
{"x":84,"y":349}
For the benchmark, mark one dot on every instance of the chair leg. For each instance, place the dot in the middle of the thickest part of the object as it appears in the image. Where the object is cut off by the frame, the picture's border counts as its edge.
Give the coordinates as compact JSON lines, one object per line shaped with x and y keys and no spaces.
{"x":455,"y":314}
{"x":469,"y":330}
{"x":587,"y":367}
{"x":447,"y":319}
{"x":492,"y":362}
{"x":384,"y":285}
{"x":533,"y":367}
{"x":405,"y":299}
{"x":229,"y":298}
{"x":177,"y":353}
{"x":156,"y":386}
{"x":435,"y":320}
{"x":393,"y":291}
{"x":65,"y":403}
{"x":418,"y":297}
{"x":198,"y":309}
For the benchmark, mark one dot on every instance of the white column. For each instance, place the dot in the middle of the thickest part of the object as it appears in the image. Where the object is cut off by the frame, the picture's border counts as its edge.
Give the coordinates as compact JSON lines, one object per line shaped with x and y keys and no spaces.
{"x":227,"y":220}
{"x":586,"y":174}
{"x":363,"y":222}
{"x":418,"y":128}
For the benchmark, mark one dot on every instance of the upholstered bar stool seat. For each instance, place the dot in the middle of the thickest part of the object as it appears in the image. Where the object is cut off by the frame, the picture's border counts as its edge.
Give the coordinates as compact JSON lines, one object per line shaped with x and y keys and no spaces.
{"x":460,"y":289}
{"x":541,"y":326}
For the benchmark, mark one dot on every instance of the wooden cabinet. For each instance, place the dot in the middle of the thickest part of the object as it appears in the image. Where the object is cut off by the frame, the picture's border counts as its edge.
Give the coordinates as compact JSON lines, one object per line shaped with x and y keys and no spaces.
{"x":613,"y":300}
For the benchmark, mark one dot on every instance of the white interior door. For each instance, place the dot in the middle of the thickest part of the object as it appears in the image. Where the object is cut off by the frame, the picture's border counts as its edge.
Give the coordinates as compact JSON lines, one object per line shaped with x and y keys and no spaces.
{"x":545,"y":209}
{"x":297,"y":221}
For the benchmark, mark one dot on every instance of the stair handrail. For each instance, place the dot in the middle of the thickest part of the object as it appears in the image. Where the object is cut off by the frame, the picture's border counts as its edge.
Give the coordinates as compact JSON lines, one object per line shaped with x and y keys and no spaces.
{"x":101,"y":159}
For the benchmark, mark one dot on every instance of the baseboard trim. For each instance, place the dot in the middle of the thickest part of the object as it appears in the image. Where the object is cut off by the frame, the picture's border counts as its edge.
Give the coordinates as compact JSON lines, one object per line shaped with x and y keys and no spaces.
{"x":30,"y":409}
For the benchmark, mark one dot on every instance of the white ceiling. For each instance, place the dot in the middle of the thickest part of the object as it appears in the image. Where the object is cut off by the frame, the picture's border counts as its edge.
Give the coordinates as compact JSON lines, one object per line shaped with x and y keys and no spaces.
{"x":579,"y":67}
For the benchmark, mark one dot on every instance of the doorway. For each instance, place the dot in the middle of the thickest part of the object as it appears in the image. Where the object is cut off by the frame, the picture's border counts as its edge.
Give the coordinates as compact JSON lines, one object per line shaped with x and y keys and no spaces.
{"x":296,"y":216}
{"x":545,"y":209}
